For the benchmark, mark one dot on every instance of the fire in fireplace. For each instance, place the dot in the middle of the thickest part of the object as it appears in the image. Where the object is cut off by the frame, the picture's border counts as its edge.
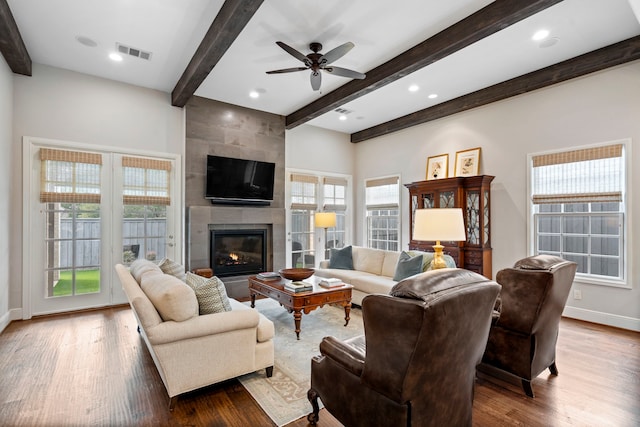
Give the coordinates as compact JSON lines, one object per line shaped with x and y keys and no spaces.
{"x":238,"y":252}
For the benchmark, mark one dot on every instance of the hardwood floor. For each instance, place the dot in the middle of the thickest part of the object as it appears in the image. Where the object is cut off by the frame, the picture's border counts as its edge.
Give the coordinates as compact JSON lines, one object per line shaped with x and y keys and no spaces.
{"x":92,"y":368}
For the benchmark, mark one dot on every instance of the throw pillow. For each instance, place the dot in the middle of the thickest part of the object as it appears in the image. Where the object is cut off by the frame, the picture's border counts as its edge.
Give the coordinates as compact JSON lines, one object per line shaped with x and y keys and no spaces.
{"x":141,"y":266}
{"x":427,"y":258}
{"x":210,"y":292}
{"x":171,"y":267}
{"x":170,"y":296}
{"x":341,"y":258}
{"x":407,"y":266}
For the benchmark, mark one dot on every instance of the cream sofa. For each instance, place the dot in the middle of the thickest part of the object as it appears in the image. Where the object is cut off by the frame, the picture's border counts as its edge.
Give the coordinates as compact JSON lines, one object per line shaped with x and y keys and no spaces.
{"x":192,"y":351}
{"x":373,"y":270}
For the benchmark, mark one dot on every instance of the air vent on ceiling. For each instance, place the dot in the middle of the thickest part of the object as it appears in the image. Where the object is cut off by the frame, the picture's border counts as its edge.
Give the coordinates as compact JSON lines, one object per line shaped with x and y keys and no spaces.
{"x":132,"y":51}
{"x":343,"y":111}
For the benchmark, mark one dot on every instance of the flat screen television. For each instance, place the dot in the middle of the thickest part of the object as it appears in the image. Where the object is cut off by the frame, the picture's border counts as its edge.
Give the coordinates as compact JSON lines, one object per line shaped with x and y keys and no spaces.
{"x":239,"y":181}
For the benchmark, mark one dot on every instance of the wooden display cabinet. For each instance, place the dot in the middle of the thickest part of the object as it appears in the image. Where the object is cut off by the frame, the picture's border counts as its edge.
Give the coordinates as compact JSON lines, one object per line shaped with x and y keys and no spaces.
{"x":473,"y":195}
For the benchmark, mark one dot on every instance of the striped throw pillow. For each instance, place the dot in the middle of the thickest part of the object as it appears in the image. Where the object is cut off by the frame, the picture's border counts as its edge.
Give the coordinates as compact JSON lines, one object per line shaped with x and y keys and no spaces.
{"x":169,"y":266}
{"x":210,"y":292}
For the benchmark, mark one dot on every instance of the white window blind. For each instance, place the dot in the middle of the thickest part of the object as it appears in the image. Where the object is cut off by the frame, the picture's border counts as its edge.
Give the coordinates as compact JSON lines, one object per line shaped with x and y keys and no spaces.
{"x":579,"y":176}
{"x":382,"y":193}
{"x":304,"y":189}
{"x":69,"y":176}
{"x":145,"y":181}
{"x":335,"y":194}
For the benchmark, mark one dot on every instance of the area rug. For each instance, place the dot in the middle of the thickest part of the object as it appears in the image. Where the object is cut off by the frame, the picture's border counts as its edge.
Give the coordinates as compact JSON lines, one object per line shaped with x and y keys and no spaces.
{"x":284,"y":396}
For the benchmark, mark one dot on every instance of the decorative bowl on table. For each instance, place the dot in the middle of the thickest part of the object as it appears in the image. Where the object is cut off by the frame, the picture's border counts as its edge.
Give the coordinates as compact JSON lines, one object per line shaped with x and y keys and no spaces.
{"x":296,"y":273}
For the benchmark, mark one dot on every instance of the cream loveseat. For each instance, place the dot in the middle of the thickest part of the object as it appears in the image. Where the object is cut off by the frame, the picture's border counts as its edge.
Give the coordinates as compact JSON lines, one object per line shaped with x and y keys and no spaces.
{"x":191,"y":350}
{"x":373,"y":270}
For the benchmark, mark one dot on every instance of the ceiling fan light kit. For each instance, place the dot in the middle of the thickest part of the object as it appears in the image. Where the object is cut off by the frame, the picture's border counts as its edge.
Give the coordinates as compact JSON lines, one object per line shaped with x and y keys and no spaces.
{"x":316,"y":62}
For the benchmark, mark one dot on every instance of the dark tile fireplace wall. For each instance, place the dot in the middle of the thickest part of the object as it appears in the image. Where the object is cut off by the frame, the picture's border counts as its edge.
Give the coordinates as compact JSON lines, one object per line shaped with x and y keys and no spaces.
{"x":229,"y":130}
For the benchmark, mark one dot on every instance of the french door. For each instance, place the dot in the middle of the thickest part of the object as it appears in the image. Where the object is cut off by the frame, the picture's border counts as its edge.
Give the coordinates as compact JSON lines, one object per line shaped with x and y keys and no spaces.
{"x":307,"y":194}
{"x":87,"y":209}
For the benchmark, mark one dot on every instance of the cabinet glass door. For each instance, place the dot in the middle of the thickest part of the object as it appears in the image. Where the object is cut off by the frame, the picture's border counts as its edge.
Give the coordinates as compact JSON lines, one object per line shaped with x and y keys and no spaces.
{"x":448,"y":199}
{"x":473,"y":217}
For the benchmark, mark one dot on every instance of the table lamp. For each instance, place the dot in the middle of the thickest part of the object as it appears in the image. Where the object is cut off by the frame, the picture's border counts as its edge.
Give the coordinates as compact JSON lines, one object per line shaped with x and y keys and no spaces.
{"x":438,"y":224}
{"x":325,"y":220}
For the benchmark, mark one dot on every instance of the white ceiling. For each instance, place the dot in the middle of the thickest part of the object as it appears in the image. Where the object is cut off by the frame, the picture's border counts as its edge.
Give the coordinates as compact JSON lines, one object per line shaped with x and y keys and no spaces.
{"x":380,"y":29}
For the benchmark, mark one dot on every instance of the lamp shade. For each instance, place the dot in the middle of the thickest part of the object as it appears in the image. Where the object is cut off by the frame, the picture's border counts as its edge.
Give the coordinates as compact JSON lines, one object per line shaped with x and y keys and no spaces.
{"x":439,"y":224}
{"x":325,"y":219}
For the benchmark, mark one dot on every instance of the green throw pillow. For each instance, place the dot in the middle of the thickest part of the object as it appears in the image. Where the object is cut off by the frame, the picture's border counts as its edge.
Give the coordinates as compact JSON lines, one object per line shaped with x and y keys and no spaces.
{"x":407,"y":266}
{"x":427,"y":258}
{"x":169,"y":266}
{"x":341,"y":258}
{"x":210,"y":292}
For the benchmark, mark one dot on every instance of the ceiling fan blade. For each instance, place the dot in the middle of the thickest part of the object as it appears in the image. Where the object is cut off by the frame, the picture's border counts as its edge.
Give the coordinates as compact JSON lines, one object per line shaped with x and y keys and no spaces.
{"x":291,"y":51}
{"x":287,"y":70}
{"x":316,"y":79}
{"x":343,"y":72}
{"x":335,"y":54}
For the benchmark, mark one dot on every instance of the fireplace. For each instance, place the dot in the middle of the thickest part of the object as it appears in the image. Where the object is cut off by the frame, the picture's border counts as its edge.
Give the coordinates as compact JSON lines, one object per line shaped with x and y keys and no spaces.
{"x":238,"y":252}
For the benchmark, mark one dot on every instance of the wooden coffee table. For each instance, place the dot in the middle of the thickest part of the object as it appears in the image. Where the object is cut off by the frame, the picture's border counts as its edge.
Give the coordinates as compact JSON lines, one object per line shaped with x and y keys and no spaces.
{"x":301,"y":302}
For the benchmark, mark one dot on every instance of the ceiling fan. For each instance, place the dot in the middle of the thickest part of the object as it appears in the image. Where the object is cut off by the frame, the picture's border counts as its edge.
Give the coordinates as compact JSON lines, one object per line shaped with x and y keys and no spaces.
{"x":317,"y":61}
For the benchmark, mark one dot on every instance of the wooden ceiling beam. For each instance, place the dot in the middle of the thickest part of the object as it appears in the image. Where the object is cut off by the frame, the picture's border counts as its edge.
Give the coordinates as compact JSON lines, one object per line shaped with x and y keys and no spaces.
{"x":487,"y":21}
{"x":230,"y":21}
{"x":609,"y":56}
{"x":11,"y":43}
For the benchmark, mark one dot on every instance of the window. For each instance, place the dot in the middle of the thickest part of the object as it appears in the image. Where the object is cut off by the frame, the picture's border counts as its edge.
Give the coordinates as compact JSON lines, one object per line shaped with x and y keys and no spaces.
{"x":145,"y":197}
{"x":310,"y":193}
{"x":304,"y":203}
{"x":70,"y":191}
{"x":382,"y":197}
{"x":579,"y":210}
{"x":335,"y":200}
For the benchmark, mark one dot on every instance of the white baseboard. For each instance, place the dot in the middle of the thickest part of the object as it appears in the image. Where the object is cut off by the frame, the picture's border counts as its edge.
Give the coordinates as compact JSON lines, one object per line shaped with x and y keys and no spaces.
{"x":5,"y":320}
{"x":9,"y":316}
{"x":16,"y":314}
{"x":608,"y":319}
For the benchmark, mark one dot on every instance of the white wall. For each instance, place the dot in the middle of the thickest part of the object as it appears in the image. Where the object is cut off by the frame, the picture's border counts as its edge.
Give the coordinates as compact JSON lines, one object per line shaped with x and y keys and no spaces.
{"x":317,"y":149}
{"x":63,"y":105}
{"x":6,"y":132}
{"x":601,"y":107}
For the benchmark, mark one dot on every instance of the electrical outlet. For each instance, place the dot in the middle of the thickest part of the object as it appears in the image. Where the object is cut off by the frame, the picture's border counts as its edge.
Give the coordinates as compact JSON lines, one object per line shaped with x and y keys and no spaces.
{"x":577,"y":294}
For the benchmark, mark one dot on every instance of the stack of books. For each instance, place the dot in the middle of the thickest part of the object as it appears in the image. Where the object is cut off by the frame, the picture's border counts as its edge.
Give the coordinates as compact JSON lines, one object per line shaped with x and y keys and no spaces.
{"x":298,"y":286}
{"x":268,"y":275}
{"x":330,"y":282}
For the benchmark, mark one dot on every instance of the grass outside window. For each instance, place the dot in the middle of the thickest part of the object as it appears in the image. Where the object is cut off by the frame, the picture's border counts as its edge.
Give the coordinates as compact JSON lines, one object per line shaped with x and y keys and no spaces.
{"x":87,"y":282}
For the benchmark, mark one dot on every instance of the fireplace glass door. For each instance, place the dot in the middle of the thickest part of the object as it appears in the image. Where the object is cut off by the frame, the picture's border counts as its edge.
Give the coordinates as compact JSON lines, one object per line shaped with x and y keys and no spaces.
{"x":238,"y":252}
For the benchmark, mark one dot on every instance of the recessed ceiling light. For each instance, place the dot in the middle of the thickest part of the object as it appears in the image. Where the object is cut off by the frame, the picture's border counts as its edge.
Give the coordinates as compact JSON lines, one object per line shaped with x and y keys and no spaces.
{"x":540,"y":35}
{"x":414,"y":88}
{"x":115,"y":57}
{"x":86,"y":41}
{"x":433,"y":96}
{"x":343,"y":117}
{"x":254,"y":94}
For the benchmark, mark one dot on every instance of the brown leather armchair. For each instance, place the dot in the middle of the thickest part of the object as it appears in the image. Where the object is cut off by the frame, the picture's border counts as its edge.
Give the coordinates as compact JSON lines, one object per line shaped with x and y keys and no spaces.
{"x":415,"y":365}
{"x":523,"y":339}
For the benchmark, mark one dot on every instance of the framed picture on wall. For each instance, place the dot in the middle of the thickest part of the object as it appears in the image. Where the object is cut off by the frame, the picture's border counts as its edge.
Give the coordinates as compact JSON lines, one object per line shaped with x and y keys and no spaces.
{"x":438,"y":167}
{"x":468,"y":162}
